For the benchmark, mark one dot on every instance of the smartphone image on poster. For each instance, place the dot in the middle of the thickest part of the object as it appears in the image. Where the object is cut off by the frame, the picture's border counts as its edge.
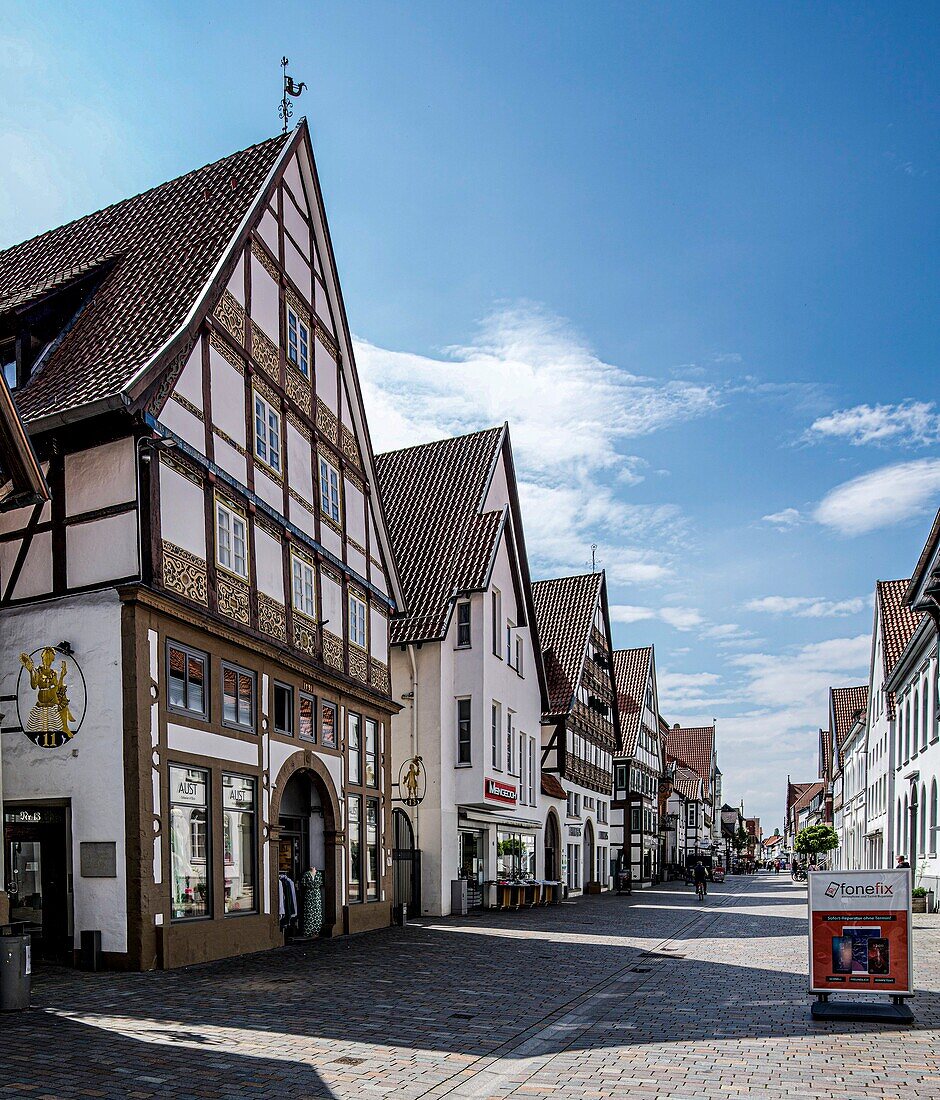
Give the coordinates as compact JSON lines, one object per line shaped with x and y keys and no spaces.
{"x":879,"y":957}
{"x":861,"y":936}
{"x":842,"y":954}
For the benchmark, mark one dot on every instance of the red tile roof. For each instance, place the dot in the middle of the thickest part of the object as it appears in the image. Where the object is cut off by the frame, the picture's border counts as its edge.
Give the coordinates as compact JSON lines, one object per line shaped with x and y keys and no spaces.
{"x":898,"y":623}
{"x":632,"y":673}
{"x":564,"y":612}
{"x":848,"y":704}
{"x":551,"y":787}
{"x":693,"y":746}
{"x":686,"y":783}
{"x":443,"y":542}
{"x":163,"y":247}
{"x":812,"y":790}
{"x":796,"y":791}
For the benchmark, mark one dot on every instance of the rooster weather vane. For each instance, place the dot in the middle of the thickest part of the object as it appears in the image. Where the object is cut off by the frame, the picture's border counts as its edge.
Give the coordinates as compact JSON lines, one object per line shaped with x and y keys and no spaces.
{"x":291,"y":91}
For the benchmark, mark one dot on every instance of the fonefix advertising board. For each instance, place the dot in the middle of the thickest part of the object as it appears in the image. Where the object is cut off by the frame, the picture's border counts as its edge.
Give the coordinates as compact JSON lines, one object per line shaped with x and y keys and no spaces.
{"x":860,"y":932}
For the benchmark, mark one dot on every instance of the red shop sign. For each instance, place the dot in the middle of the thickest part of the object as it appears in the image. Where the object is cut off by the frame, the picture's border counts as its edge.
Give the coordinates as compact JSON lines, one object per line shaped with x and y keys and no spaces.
{"x":500,"y":792}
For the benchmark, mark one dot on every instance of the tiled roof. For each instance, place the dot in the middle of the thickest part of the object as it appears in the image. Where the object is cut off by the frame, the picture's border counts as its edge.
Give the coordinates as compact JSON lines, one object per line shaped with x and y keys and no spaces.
{"x":551,"y":786}
{"x":848,"y":705}
{"x":631,"y":671}
{"x":795,"y":791}
{"x":898,"y":623}
{"x":564,"y":614}
{"x":812,"y":790}
{"x":694,"y":747}
{"x":825,"y":754}
{"x":443,"y":543}
{"x":164,"y":246}
{"x":688,"y":784}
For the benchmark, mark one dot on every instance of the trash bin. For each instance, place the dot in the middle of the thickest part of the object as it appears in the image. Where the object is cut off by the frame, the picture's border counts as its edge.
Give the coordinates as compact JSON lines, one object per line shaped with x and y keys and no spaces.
{"x":15,"y":973}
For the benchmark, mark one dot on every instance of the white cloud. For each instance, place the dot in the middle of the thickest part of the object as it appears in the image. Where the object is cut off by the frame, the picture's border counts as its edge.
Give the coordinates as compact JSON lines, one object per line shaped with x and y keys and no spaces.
{"x":789,"y":517}
{"x":881,"y":498}
{"x":571,"y":417}
{"x":912,"y":422}
{"x":681,"y":618}
{"x":807,"y":607}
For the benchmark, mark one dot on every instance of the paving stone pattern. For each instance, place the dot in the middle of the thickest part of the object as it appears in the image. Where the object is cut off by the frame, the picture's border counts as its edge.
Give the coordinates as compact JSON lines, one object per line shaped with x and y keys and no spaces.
{"x":649,"y":996}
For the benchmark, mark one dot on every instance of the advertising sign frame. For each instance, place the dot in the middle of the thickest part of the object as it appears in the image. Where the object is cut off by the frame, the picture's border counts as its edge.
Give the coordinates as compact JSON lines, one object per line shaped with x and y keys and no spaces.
{"x":848,"y":913}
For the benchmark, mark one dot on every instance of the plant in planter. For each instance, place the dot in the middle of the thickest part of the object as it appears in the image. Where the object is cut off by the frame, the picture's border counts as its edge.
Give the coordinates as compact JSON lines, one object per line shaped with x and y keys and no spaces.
{"x":919,"y":899}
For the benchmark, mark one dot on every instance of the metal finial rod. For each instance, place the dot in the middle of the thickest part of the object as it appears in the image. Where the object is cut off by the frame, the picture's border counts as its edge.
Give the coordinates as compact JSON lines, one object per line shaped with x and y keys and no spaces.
{"x":291,"y":90}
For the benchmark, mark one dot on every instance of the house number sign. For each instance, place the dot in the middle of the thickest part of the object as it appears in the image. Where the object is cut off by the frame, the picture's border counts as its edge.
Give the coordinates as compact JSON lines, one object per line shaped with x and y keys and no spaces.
{"x":50,"y":697}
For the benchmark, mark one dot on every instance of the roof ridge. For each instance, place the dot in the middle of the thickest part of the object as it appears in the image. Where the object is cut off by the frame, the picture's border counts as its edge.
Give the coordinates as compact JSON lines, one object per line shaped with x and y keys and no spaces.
{"x":141,"y":194}
{"x":438,"y":442}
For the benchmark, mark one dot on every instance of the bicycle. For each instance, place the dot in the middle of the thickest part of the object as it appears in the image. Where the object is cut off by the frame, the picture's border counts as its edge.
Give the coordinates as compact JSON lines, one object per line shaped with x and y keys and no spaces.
{"x":700,"y":891}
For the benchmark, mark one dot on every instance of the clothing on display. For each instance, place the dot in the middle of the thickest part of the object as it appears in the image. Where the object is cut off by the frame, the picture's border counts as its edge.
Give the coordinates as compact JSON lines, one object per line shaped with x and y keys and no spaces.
{"x":311,"y":891}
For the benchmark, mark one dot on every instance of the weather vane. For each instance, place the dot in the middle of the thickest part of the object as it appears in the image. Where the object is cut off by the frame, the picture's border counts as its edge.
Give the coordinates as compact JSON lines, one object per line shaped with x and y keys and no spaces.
{"x":290,"y":90}
{"x":593,"y":557}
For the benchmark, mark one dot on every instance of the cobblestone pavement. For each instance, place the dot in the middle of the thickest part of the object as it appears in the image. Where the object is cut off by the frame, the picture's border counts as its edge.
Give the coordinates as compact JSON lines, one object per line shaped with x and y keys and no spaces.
{"x":654,"y":996}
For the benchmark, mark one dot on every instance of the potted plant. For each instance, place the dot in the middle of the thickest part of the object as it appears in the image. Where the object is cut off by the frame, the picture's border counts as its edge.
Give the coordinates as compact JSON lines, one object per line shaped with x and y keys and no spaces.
{"x":919,"y":899}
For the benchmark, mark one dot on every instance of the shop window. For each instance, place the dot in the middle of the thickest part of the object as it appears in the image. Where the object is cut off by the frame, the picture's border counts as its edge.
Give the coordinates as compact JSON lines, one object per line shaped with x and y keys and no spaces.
{"x":267,"y":434}
{"x":238,"y":697}
{"x":354,"y":813}
{"x":463,"y":624}
{"x":329,"y":490}
{"x":231,"y":542}
{"x":186,"y":680}
{"x":304,"y":586}
{"x":372,"y":849}
{"x":328,"y":719}
{"x":308,"y":717}
{"x":283,"y":709}
{"x":354,"y":745}
{"x":240,"y":850}
{"x":515,"y":855}
{"x":298,"y":342}
{"x":357,"y":622}
{"x":372,"y":753}
{"x":190,"y":848}
{"x":463,"y":731}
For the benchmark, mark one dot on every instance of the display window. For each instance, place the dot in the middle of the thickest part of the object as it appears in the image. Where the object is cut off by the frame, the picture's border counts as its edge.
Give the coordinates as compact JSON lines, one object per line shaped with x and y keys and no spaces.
{"x":190,"y":843}
{"x":515,"y":855}
{"x":239,"y":844}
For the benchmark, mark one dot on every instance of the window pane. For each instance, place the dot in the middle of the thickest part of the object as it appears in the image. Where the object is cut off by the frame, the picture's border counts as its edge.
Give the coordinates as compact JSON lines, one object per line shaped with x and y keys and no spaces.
{"x":240,"y":854}
{"x":308,"y":709}
{"x":245,"y":709}
{"x":372,"y":749}
{"x":283,"y":709}
{"x":177,"y":677}
{"x":189,"y":842}
{"x":355,"y":762}
{"x":355,"y":850}
{"x":328,"y":726}
{"x":372,"y":849}
{"x":229,"y":695}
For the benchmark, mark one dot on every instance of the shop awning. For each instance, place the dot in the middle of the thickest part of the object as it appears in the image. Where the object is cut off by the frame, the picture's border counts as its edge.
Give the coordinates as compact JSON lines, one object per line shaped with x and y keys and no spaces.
{"x":520,"y":824}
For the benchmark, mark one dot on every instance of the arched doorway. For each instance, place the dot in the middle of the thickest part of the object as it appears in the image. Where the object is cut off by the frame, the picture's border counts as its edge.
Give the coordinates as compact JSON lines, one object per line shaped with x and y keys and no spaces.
{"x":590,"y":859}
{"x":406,"y":864}
{"x":552,"y":848}
{"x":304,"y":814}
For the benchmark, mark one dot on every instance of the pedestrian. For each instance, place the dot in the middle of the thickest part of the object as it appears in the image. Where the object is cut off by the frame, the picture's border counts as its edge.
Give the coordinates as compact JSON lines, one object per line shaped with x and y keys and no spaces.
{"x":901,"y":863}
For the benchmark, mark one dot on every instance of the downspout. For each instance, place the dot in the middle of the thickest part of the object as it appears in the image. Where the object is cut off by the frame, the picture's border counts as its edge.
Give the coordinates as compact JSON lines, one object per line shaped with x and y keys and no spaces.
{"x":414,"y":730}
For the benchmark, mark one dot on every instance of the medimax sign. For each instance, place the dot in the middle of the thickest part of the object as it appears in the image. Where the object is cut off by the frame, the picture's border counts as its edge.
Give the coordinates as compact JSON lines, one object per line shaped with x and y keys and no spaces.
{"x":860,"y":931}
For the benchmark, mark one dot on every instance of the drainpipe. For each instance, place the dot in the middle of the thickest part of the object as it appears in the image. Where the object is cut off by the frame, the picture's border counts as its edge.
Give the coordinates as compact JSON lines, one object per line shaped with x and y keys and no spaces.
{"x":414,"y":731}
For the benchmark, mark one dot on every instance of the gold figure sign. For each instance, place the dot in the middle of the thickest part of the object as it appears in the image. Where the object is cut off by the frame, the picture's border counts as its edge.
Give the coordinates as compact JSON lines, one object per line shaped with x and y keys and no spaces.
{"x":411,"y":782}
{"x":50,"y":722}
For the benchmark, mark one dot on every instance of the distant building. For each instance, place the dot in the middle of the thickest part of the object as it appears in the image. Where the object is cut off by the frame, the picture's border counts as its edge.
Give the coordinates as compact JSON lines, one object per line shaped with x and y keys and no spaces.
{"x":692,"y":752}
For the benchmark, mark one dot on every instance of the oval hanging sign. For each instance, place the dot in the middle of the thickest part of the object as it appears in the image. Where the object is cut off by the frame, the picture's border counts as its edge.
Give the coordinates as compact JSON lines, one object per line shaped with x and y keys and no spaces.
{"x":50,"y":697}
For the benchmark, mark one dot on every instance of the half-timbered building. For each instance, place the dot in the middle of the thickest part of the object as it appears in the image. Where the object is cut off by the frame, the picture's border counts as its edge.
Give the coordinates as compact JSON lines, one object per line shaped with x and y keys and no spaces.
{"x":201,"y":710}
{"x":638,"y":766}
{"x":468,"y":661}
{"x":581,"y":727}
{"x":691,"y":751}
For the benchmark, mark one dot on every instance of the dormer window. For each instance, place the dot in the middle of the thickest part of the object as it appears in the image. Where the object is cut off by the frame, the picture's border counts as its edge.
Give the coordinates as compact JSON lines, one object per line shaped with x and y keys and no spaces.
{"x":298,"y":343}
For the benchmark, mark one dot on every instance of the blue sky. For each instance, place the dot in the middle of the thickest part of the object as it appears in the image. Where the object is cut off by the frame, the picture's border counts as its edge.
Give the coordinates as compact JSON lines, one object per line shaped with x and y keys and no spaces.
{"x":690,"y":252}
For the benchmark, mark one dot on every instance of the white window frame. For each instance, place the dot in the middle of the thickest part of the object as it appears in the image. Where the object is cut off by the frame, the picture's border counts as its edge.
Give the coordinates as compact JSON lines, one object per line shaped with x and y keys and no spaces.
{"x":227,"y":523}
{"x":358,"y":617}
{"x":330,"y":498}
{"x":298,"y":342}
{"x":267,"y":432}
{"x":303,"y":586}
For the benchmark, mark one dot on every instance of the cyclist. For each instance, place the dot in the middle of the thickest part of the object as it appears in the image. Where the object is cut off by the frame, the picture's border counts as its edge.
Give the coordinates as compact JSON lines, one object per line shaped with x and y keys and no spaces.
{"x":700,"y":877}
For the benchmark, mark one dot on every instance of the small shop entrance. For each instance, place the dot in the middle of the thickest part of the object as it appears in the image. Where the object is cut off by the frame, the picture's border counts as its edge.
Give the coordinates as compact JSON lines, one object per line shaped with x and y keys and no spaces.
{"x":35,"y":840}
{"x":472,"y":855}
{"x":301,"y":845}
